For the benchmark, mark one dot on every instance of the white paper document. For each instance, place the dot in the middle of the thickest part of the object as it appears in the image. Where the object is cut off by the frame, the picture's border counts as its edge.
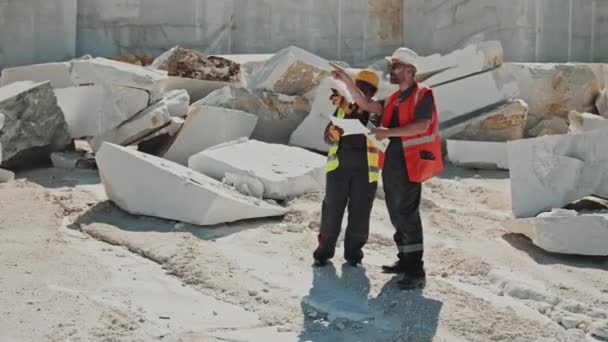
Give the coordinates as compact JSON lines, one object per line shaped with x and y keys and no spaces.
{"x":354,"y":126}
{"x":350,"y":126}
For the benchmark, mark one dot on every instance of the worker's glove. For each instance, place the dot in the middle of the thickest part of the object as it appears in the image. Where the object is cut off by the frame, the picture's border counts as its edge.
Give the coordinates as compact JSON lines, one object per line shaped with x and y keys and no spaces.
{"x":333,"y":134}
{"x":339,"y":101}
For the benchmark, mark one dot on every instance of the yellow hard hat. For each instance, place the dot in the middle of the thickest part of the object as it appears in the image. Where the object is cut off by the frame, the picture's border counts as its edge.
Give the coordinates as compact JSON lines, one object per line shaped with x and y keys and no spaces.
{"x":368,"y":76}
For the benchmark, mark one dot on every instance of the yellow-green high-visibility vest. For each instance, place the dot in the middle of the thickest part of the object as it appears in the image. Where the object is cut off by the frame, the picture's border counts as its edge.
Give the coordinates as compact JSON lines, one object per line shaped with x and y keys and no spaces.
{"x":372,"y":156}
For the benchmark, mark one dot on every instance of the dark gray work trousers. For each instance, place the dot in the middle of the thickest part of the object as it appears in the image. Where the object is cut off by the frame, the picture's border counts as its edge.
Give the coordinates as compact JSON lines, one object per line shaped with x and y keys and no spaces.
{"x":403,"y":203}
{"x":348,"y":185}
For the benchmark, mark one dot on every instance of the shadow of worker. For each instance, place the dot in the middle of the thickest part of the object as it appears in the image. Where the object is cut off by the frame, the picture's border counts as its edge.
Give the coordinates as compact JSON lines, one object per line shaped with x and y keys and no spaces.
{"x":335,"y":299}
{"x":409,"y":315}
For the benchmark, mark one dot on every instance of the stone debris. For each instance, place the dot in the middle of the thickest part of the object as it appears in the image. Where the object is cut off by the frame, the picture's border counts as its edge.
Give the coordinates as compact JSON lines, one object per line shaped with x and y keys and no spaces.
{"x":57,"y":73}
{"x":584,"y":122}
{"x":507,"y":122}
{"x":189,"y":63}
{"x":100,"y":71}
{"x":566,"y":232}
{"x":34,"y":125}
{"x":72,"y":160}
{"x":93,"y":110}
{"x":208,"y":126}
{"x":552,"y":171}
{"x":291,"y":71}
{"x":134,"y":180}
{"x":490,"y":155}
{"x":285,"y":172}
{"x":278,"y":115}
{"x":147,"y":122}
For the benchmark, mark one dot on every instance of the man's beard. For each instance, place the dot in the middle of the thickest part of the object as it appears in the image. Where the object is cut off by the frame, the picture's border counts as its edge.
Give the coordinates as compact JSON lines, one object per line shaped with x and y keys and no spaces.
{"x":393,"y":79}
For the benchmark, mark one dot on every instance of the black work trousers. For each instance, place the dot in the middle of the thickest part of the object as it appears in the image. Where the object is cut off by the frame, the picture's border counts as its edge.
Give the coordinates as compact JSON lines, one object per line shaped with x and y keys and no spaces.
{"x":348,"y":185}
{"x":403,"y":202}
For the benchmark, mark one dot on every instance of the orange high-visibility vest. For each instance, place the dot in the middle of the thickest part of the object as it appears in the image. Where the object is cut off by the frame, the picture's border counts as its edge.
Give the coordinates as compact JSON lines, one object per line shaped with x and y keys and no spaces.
{"x":422,"y":152}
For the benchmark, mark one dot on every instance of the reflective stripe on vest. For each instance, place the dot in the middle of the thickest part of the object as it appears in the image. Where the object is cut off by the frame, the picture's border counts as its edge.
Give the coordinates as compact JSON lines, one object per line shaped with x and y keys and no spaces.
{"x":372,"y":156}
{"x":421,"y":140}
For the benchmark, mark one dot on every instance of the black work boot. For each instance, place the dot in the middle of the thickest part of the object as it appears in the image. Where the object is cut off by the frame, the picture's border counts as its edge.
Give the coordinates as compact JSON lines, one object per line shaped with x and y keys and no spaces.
{"x":322,"y":257}
{"x":400,"y":266}
{"x":353,"y":263}
{"x":414,"y":276}
{"x":412,"y":282}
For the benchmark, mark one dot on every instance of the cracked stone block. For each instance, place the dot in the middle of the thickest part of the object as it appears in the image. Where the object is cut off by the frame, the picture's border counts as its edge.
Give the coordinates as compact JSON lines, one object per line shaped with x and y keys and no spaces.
{"x":507,"y":122}
{"x":556,"y":89}
{"x":291,"y":71}
{"x":170,"y":130}
{"x":436,"y":69}
{"x":159,"y":142}
{"x":208,"y":126}
{"x":489,"y":155}
{"x":472,"y":59}
{"x":284,"y":171}
{"x":134,"y":180}
{"x":105,"y":71}
{"x":552,"y":171}
{"x":34,"y":125}
{"x":278,"y":115}
{"x":566,"y":231}
{"x":93,"y":110}
{"x":147,"y":122}
{"x":57,"y":73}
{"x":584,"y":122}
{"x":490,"y":88}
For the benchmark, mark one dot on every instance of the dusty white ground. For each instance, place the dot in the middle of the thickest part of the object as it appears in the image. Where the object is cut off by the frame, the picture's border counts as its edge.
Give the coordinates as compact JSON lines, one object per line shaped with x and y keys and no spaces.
{"x":73,"y":267}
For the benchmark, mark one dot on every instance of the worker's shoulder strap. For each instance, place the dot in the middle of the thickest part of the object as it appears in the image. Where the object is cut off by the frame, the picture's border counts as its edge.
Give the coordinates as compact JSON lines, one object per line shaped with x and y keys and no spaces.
{"x":421,"y":89}
{"x":336,"y":112}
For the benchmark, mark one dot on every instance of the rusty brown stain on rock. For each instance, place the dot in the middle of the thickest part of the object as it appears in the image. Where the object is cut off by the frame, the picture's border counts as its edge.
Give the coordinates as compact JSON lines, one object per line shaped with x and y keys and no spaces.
{"x":299,"y":78}
{"x":388,"y":13}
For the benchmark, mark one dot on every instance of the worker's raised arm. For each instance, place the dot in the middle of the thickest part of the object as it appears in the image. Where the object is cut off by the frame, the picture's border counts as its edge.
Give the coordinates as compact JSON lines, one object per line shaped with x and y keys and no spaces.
{"x":366,"y":105}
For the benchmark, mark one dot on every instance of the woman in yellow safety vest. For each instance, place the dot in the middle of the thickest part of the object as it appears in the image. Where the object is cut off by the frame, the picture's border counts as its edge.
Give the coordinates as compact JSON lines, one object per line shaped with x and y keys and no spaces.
{"x":352,"y":179}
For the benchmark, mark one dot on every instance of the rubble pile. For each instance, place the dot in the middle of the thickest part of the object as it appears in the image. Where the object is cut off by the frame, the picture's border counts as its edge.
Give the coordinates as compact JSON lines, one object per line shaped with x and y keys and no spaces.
{"x":213,"y":132}
{"x":189,"y":63}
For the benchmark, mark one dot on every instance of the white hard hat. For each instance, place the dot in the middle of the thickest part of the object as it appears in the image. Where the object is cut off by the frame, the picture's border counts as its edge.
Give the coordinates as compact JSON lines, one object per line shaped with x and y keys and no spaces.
{"x":405,"y":56}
